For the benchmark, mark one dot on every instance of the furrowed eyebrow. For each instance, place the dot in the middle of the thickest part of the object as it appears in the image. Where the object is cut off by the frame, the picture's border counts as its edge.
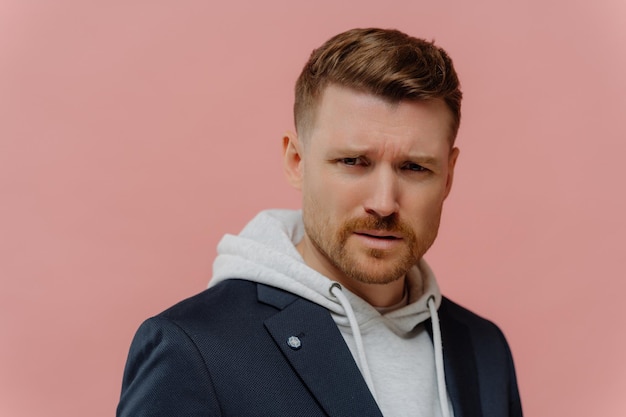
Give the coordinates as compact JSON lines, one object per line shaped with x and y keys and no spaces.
{"x":423,"y":160}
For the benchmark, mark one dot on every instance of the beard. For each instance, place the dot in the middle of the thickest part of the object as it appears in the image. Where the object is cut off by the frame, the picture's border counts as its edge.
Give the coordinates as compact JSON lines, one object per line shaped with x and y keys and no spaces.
{"x":371,"y":265}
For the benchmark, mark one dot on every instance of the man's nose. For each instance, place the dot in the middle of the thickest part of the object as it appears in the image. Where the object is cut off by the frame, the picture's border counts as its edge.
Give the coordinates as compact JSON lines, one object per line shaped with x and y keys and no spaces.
{"x":382,"y":193}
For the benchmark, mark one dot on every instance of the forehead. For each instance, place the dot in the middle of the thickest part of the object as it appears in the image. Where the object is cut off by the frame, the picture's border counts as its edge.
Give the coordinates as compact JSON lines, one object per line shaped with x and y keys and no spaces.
{"x":348,"y":113}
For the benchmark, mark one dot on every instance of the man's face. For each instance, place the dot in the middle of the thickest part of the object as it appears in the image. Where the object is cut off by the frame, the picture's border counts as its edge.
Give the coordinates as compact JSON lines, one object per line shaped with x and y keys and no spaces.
{"x":374,"y":177}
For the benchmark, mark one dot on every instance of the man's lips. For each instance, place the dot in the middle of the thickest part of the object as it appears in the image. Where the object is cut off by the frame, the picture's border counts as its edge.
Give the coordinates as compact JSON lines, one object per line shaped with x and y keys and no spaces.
{"x":381,"y":234}
{"x":383,"y":240}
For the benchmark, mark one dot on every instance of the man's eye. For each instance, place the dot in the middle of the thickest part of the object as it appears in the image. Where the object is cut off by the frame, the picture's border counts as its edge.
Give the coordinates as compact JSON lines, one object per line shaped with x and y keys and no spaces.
{"x":352,"y":161}
{"x":411,"y":166}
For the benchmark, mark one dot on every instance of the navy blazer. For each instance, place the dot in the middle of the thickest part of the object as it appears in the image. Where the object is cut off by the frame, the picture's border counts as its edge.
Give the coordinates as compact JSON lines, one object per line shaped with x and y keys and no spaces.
{"x":224,"y":352}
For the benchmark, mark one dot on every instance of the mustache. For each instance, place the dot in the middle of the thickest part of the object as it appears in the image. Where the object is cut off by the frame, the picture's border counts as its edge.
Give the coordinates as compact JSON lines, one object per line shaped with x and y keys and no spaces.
{"x":371,"y":222}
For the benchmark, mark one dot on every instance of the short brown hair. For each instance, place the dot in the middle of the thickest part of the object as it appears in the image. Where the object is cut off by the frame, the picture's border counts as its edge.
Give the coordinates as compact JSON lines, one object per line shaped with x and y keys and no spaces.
{"x":383,"y":62}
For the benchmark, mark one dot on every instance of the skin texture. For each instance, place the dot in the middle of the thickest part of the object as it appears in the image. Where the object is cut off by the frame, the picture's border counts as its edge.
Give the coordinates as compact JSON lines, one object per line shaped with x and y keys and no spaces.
{"x":374,"y":176}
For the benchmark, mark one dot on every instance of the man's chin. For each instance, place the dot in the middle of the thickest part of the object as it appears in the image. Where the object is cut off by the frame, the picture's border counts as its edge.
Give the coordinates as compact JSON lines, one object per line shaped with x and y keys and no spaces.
{"x":378,"y":271}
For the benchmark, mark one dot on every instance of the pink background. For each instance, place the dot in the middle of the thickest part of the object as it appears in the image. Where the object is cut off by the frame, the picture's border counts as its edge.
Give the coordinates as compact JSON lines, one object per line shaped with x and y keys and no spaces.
{"x":134,"y":134}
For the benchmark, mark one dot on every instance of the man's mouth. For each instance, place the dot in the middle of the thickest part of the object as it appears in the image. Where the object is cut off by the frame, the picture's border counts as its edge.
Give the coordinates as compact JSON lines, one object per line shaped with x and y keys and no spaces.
{"x":379,"y":234}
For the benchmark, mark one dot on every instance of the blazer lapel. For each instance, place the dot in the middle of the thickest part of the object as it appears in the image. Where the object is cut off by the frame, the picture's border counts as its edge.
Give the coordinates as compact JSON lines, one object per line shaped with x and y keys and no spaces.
{"x":459,"y":364}
{"x":322,"y":359}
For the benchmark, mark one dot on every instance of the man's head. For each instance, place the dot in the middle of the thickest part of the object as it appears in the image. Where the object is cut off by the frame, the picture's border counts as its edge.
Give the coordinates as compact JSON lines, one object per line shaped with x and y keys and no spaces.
{"x":383,"y":62}
{"x":377,"y":113}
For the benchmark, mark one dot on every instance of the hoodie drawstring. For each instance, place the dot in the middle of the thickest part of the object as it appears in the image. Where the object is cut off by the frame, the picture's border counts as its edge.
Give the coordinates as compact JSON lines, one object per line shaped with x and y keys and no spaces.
{"x":441,"y":375}
{"x":335,"y":290}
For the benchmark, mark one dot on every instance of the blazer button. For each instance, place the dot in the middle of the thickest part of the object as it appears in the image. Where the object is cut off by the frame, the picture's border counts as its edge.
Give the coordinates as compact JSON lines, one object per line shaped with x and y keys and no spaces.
{"x":294,"y":342}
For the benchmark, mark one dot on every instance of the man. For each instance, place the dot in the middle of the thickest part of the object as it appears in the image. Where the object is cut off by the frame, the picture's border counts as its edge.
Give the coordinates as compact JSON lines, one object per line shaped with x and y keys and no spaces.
{"x":332,"y":311}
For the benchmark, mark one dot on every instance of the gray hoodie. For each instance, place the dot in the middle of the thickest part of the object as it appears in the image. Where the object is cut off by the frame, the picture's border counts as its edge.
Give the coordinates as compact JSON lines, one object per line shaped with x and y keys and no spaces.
{"x":400,"y":363}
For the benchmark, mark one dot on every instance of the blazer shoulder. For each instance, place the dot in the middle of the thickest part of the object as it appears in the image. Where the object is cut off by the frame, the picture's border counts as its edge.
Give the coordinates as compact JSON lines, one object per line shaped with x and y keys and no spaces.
{"x":224,"y":293}
{"x":477,"y":325}
{"x":226,"y":303}
{"x":228,"y":293}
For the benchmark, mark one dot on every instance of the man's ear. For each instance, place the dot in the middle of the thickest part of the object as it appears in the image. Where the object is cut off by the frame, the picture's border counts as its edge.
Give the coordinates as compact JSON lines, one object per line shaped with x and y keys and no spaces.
{"x":454,"y":154}
{"x":292,"y":159}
